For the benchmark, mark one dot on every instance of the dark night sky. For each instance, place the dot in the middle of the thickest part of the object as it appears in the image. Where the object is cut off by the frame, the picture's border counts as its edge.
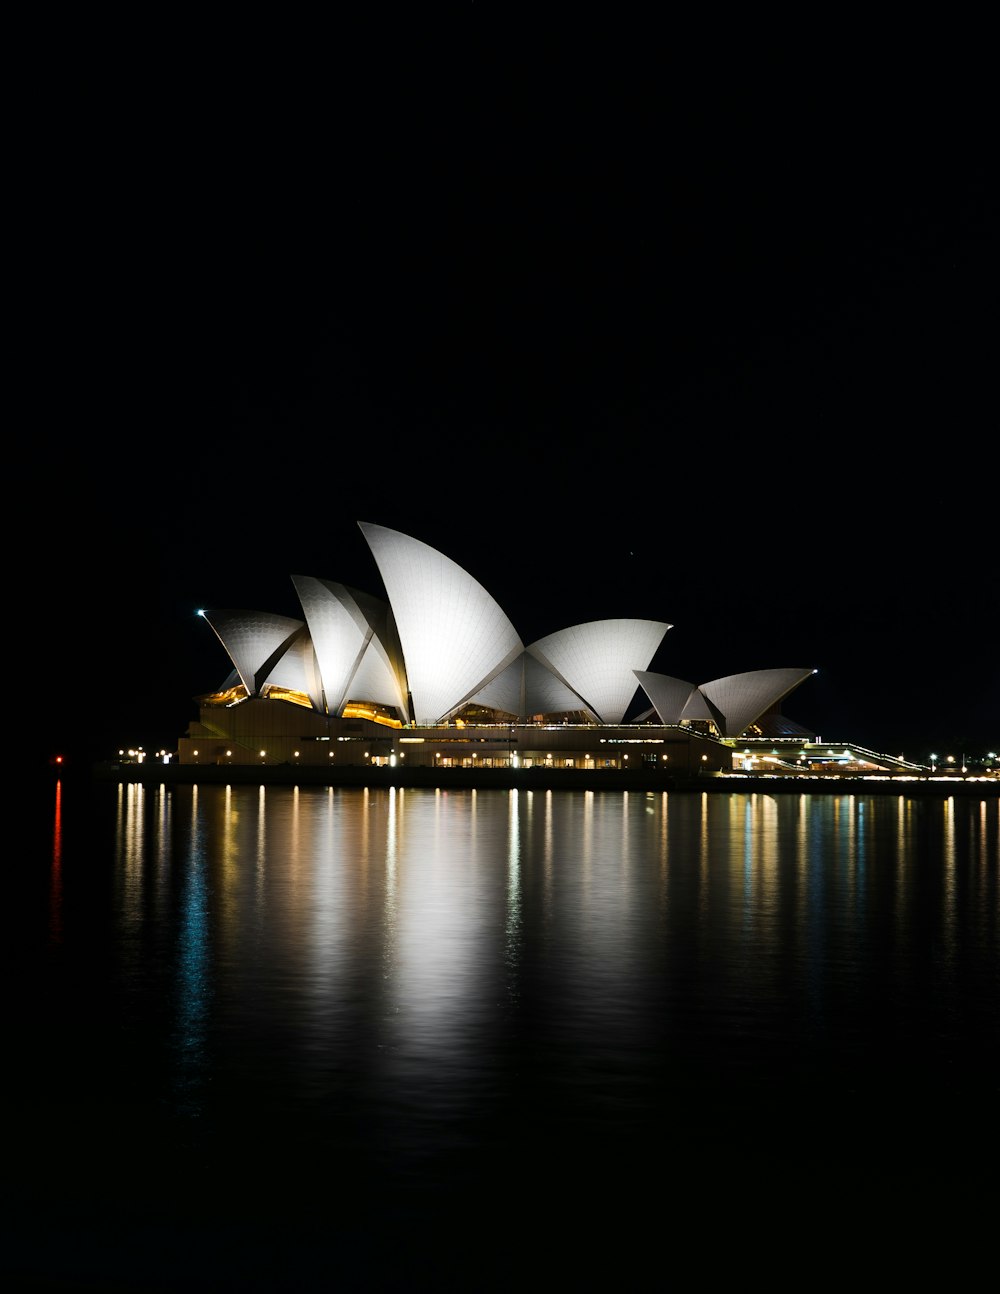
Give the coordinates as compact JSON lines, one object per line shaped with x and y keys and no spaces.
{"x":621,"y":338}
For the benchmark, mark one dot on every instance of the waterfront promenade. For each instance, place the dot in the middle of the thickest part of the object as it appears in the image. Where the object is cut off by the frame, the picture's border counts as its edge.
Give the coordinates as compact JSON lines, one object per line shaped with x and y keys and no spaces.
{"x":544,"y":779}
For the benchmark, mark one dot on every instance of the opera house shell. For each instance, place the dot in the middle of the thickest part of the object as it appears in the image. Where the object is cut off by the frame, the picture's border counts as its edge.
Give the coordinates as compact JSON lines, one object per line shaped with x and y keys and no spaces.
{"x":436,"y":673}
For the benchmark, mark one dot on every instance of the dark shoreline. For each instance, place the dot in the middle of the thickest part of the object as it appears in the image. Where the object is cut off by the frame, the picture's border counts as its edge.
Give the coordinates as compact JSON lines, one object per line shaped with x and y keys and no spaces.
{"x":540,"y":779}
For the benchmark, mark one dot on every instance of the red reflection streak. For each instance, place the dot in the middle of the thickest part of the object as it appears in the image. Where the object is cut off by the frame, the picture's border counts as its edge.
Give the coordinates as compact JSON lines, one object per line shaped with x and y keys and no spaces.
{"x":55,"y":894}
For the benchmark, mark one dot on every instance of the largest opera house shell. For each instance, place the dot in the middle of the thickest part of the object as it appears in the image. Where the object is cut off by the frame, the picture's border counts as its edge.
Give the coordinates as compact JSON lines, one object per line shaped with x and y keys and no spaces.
{"x":439,"y":647}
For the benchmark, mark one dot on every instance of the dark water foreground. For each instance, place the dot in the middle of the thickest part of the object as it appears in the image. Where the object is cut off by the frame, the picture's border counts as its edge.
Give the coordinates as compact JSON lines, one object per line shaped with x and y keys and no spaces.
{"x":327,"y":1038}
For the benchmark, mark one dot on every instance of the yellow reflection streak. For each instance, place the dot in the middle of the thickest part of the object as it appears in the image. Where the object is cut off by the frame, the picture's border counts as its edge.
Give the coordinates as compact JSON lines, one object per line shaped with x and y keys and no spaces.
{"x":948,"y":907}
{"x":164,"y":836}
{"x":132,"y":844}
{"x":703,"y":852}
{"x":802,"y":861}
{"x":982,"y":831}
{"x":749,"y":810}
{"x":901,"y":907}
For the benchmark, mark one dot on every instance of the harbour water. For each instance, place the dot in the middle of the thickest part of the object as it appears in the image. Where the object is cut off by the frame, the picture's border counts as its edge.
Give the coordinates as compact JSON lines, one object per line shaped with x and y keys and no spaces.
{"x":325,"y":1038}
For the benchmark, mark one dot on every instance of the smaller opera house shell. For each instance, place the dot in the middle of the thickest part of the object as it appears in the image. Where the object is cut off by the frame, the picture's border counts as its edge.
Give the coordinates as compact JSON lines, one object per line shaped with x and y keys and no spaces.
{"x":435,"y":674}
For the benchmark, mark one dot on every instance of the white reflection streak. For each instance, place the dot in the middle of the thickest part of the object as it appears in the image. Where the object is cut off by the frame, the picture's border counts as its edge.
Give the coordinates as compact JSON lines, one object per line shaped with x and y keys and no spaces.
{"x":547,"y":847}
{"x":512,"y":923}
{"x":295,"y":860}
{"x":703,"y":858}
{"x":391,"y":848}
{"x":809,"y":909}
{"x":261,"y":836}
{"x":588,"y":837}
{"x":473,"y":839}
{"x":329,"y":911}
{"x":769,"y":839}
{"x":434,"y":943}
{"x":664,"y":845}
{"x":390,"y":914}
{"x":851,"y":805}
{"x":860,"y":847}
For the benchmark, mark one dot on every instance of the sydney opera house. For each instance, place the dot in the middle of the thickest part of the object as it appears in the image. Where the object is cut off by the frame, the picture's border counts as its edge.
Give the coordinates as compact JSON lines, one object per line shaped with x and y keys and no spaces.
{"x":435,"y":675}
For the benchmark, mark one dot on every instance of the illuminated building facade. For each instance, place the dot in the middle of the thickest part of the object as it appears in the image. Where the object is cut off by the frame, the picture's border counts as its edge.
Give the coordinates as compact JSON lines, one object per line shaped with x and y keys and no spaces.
{"x":435,"y":674}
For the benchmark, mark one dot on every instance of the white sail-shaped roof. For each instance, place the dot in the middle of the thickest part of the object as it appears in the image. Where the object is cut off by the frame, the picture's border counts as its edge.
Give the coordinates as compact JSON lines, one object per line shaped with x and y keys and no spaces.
{"x":697,"y":707}
{"x":455,"y":637}
{"x":254,"y":641}
{"x":381,"y":675}
{"x":743,"y":698}
{"x":296,"y":670}
{"x":526,"y":687}
{"x":441,"y":640}
{"x":598,"y":661}
{"x":353,"y":662}
{"x":668,"y":695}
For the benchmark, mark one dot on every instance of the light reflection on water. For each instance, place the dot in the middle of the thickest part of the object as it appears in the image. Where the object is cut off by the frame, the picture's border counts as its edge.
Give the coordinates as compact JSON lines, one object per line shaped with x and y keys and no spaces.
{"x":193,"y":974}
{"x":438,"y":986}
{"x":623,"y":925}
